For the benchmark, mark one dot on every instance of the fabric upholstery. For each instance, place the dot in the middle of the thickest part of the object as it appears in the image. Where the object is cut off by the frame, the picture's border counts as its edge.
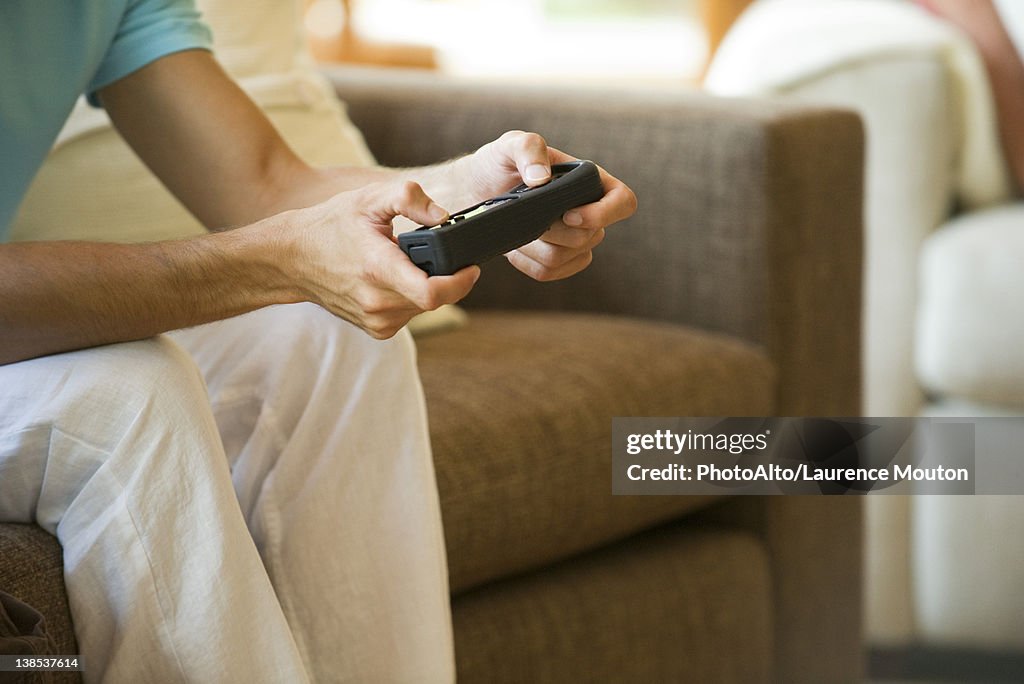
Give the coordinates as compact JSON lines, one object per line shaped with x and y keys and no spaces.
{"x":674,"y":605}
{"x":970,"y":332}
{"x":31,"y":570}
{"x":817,"y":590}
{"x":520,"y":408}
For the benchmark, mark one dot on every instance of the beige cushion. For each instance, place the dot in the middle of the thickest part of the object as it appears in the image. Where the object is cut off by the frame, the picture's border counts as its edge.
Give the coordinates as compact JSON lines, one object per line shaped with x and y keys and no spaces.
{"x":520,"y":408}
{"x":970,"y":332}
{"x":93,"y":187}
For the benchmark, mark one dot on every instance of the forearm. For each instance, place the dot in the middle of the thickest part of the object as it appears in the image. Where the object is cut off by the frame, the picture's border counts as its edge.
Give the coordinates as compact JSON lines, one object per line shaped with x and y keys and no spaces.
{"x":238,"y":170}
{"x":60,"y":296}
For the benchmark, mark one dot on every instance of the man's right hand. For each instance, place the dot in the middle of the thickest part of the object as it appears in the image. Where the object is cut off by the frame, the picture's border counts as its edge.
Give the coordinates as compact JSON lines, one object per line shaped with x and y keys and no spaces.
{"x":345,"y":258}
{"x":60,"y":296}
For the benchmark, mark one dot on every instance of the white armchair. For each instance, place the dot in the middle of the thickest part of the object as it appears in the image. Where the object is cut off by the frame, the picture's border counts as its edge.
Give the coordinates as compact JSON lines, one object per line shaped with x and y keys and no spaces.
{"x":944,"y":294}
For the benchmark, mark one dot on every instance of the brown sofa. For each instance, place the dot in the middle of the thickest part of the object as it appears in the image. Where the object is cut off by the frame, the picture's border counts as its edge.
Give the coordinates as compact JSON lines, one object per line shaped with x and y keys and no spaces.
{"x":733,"y":291}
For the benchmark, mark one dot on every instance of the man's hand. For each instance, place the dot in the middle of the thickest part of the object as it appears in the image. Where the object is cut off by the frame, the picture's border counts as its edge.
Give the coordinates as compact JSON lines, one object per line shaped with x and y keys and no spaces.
{"x":347,"y":260}
{"x":220,"y":156}
{"x":239,"y":170}
{"x":567,"y":247}
{"x":58,"y":296}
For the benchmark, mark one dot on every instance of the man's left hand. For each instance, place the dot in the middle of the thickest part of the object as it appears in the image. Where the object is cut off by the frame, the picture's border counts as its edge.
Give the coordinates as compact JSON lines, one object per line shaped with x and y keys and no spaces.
{"x":567,"y":246}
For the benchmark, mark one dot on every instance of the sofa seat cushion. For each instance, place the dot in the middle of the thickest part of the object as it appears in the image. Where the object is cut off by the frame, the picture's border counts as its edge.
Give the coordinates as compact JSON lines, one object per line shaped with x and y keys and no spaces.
{"x":970,"y":335}
{"x":521,"y":406}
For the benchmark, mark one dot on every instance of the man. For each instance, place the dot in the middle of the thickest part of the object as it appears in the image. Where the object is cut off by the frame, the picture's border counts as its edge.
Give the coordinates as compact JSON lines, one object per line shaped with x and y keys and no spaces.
{"x":251,"y":497}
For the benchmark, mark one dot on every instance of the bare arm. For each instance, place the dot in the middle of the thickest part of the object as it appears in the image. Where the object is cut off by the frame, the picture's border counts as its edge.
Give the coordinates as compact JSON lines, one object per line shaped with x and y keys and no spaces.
{"x":59,"y":296}
{"x":318,"y":235}
{"x":56,"y":296}
{"x":217,"y":152}
{"x":213,"y":148}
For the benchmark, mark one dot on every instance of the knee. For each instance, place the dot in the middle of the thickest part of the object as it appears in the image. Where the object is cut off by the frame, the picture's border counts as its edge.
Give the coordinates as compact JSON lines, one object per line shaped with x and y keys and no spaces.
{"x":150,"y":379}
{"x":122,"y":410}
{"x":306,"y":336}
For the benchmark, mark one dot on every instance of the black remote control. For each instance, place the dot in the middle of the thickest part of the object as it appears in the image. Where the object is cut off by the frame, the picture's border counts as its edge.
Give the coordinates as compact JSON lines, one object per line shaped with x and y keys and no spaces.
{"x":503,"y":223}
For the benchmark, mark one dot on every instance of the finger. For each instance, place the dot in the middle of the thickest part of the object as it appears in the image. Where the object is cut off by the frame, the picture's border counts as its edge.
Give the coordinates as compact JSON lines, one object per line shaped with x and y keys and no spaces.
{"x":568,"y":236}
{"x":553,"y":255}
{"x":452,"y":288}
{"x":405,"y":198}
{"x":540,"y":272}
{"x":428,"y":293}
{"x":385,"y":325}
{"x":529,"y":151}
{"x":618,"y":203}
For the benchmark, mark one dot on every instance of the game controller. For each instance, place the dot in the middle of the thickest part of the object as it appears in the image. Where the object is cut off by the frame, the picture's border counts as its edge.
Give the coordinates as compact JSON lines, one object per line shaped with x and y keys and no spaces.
{"x":503,"y":223}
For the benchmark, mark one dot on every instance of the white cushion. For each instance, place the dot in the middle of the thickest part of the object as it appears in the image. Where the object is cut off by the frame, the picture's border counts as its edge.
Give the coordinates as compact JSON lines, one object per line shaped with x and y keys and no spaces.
{"x":970,"y":328}
{"x":775,"y":46}
{"x":968,"y":558}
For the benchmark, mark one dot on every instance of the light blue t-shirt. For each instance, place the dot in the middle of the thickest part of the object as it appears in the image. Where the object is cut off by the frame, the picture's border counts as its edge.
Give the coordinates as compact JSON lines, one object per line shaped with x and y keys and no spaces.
{"x":52,"y":51}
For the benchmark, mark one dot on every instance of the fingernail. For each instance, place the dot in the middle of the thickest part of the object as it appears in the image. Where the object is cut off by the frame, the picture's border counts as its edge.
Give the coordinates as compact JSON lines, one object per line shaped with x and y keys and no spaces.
{"x":436,"y":213}
{"x":572,"y":218}
{"x":536,"y":172}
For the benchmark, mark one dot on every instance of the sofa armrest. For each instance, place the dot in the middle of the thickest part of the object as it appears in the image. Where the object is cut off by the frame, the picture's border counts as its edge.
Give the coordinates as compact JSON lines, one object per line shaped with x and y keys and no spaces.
{"x":814,"y":548}
{"x":749,"y":220}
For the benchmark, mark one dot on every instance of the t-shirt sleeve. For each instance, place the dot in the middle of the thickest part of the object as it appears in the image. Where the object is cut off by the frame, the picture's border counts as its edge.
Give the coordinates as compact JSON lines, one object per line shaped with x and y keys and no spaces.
{"x":149,"y":30}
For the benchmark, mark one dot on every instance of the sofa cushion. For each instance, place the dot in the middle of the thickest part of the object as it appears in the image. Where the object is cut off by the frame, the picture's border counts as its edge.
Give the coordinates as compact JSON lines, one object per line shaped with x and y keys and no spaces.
{"x":970,"y":331}
{"x":677,"y":604}
{"x":521,"y":406}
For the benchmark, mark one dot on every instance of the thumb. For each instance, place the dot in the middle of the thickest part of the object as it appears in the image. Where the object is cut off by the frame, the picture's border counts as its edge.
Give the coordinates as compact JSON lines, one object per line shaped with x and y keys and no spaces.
{"x":529,"y":151}
{"x":406,"y":198}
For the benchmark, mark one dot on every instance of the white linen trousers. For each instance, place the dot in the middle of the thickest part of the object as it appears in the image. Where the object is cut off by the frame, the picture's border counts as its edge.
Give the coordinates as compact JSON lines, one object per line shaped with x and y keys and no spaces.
{"x":251,"y":500}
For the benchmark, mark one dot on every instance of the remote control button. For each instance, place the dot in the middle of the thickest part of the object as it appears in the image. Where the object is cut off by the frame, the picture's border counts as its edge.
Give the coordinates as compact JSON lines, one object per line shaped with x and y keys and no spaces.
{"x":420,"y":255}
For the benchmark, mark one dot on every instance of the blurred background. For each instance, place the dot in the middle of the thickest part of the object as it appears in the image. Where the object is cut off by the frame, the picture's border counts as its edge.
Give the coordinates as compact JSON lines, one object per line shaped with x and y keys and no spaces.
{"x":621,"y":42}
